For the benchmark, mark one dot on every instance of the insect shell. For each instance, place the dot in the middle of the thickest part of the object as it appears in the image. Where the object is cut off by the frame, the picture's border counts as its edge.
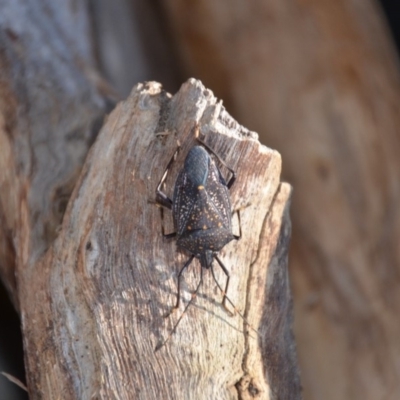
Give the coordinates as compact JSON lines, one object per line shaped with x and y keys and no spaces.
{"x":201,"y":211}
{"x":201,"y":207}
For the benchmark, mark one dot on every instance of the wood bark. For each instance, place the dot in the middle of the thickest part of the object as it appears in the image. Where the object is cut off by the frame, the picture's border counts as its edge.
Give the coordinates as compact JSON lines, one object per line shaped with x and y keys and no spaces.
{"x":320,"y":81}
{"x":52,"y":104}
{"x":93,"y":281}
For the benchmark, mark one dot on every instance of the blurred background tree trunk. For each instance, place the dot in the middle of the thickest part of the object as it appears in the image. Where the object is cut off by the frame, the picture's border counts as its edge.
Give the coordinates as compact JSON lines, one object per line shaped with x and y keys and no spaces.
{"x":320,"y":82}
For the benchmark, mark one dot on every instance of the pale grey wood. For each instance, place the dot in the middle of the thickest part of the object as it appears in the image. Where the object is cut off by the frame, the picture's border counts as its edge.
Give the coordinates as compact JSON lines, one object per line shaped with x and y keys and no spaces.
{"x":93,"y":290}
{"x":52,"y":103}
{"x":110,"y":277}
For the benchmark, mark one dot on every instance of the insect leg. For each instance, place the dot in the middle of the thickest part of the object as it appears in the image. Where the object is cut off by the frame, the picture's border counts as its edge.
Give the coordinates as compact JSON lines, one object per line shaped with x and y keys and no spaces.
{"x":161,"y":198}
{"x":237,"y":237}
{"x":178,"y":299}
{"x":226,"y":285}
{"x":166,"y":235}
{"x":227,"y":298}
{"x":158,"y":347}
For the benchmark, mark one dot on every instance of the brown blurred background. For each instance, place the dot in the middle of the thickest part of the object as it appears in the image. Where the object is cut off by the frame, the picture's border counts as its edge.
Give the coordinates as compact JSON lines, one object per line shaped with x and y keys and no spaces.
{"x":319,"y":81}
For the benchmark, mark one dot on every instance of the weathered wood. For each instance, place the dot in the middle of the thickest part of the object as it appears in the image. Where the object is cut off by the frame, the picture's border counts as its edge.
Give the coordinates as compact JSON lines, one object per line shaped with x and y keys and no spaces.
{"x":320,"y":82}
{"x":118,"y":273}
{"x":52,"y":104}
{"x":94,"y":312}
{"x":92,"y":292}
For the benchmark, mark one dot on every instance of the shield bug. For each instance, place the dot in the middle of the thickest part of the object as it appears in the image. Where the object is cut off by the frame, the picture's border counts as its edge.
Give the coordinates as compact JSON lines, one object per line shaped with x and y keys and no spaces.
{"x":201,"y":211}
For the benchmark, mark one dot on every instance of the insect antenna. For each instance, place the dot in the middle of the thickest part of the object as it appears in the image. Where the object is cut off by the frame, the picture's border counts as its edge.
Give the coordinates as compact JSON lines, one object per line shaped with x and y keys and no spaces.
{"x":194,"y":294}
{"x":233,"y":305}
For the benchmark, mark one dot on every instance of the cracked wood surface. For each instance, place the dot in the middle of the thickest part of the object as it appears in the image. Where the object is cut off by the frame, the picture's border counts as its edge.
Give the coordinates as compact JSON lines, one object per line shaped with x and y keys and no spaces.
{"x":94,"y":311}
{"x":52,"y":104}
{"x":320,"y":82}
{"x":93,"y":281}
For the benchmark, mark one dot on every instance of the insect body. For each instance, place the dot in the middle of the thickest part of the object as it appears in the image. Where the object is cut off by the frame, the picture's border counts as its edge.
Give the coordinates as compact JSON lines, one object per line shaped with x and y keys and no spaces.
{"x":201,"y":211}
{"x":201,"y":207}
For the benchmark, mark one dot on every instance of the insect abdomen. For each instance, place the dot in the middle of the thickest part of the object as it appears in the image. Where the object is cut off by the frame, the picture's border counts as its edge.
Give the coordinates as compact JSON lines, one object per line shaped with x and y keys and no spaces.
{"x":199,"y":241}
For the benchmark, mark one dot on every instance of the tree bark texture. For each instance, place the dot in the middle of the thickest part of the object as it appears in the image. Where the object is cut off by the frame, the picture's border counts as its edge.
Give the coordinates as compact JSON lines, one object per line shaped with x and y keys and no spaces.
{"x":52,"y":105}
{"x":320,"y":81}
{"x":93,"y":290}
